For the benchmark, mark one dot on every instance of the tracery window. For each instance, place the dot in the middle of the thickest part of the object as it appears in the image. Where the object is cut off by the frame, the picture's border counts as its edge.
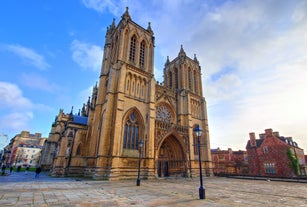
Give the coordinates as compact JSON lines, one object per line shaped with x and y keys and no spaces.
{"x":195,"y":82}
{"x":176,"y":78}
{"x":131,"y":133}
{"x":163,"y":114}
{"x":132,"y":49}
{"x":170,"y":79}
{"x":142,"y":54}
{"x":190,"y":79}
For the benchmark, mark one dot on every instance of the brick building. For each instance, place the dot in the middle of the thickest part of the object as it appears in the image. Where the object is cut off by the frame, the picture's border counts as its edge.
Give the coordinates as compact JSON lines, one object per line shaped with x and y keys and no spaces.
{"x":271,"y":155}
{"x":24,"y":149}
{"x":229,"y":162}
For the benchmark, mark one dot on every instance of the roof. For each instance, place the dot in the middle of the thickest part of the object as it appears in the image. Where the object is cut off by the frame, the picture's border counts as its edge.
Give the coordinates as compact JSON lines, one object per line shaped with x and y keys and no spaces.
{"x":80,"y":120}
{"x":258,"y":143}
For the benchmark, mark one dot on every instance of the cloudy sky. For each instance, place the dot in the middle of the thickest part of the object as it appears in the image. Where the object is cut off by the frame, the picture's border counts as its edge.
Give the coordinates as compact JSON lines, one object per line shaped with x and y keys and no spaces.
{"x":252,"y":53}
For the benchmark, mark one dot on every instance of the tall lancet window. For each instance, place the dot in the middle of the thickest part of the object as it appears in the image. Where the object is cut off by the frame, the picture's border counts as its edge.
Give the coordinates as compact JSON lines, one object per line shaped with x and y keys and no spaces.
{"x":132,"y":49}
{"x":131,"y":133}
{"x":190,"y":78}
{"x":142,"y":54}
{"x":195,"y":82}
{"x":176,"y":78}
{"x":170,"y":75}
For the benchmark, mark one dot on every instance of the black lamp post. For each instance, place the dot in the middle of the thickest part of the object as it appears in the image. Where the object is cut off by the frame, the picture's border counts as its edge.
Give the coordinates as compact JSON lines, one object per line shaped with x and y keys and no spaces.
{"x":197,"y":130}
{"x":138,"y":181}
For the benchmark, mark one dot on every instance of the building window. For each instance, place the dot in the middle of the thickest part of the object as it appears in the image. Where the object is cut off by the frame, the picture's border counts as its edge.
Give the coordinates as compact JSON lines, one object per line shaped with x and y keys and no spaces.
{"x":131,"y":133}
{"x":176,"y":78}
{"x":221,"y":157}
{"x":195,"y":82}
{"x":269,"y":168}
{"x":142,"y":54}
{"x":78,"y":150}
{"x":132,"y":49}
{"x":190,"y":79}
{"x":265,"y":150}
{"x":170,"y":79}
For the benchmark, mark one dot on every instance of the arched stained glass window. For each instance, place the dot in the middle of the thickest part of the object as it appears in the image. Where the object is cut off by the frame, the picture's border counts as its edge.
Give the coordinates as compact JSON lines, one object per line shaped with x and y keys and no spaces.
{"x":176,"y":78}
{"x":142,"y":54}
{"x":195,"y":82}
{"x":132,"y":49}
{"x":170,"y":79}
{"x":131,"y":133}
{"x":190,"y":79}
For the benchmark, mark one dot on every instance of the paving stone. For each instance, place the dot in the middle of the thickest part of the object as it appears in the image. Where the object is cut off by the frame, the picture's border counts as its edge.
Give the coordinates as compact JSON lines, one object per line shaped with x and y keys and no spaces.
{"x":47,"y":191}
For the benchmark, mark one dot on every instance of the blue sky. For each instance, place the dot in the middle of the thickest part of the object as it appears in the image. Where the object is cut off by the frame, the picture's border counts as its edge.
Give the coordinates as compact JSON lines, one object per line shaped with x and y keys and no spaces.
{"x":252,"y":53}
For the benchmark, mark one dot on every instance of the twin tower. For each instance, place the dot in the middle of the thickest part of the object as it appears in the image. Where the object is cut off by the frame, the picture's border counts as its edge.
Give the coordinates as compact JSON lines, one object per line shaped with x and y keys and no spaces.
{"x":130,"y":117}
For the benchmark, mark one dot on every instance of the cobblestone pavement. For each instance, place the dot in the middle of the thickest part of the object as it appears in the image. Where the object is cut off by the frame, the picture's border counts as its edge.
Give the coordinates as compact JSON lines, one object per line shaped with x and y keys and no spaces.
{"x":46,"y":191}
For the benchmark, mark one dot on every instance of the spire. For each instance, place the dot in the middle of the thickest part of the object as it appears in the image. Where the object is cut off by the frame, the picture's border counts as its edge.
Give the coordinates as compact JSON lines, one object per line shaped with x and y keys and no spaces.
{"x":195,"y":59}
{"x":95,"y":90}
{"x":182,"y":52}
{"x":167,"y":61}
{"x":70,"y":116}
{"x":126,"y":16}
{"x":83,"y":112}
{"x":113,"y":25}
{"x":89,"y":101}
{"x":149,"y":28}
{"x":72,"y":110}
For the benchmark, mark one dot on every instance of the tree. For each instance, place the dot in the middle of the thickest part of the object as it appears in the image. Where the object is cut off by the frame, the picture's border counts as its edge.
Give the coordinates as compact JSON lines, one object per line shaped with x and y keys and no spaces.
{"x":294,"y":163}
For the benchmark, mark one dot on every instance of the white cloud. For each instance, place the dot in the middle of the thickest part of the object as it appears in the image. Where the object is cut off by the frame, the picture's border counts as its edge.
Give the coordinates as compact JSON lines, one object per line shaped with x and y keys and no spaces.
{"x":253,"y":58}
{"x":102,"y":5}
{"x":16,"y":110}
{"x":36,"y":81}
{"x":29,"y":56}
{"x":16,"y":121}
{"x":11,"y":97}
{"x":88,"y":56}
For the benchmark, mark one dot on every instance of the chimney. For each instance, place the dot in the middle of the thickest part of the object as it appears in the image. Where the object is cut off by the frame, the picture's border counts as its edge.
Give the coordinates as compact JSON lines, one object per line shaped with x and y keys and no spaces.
{"x":25,"y":134}
{"x":252,"y":139}
{"x":268,"y":132}
{"x":276,"y":134}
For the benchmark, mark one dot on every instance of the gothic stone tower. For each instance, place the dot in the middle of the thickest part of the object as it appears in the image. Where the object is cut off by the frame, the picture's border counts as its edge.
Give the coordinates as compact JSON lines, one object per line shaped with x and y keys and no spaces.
{"x":124,"y":109}
{"x":129,"y":107}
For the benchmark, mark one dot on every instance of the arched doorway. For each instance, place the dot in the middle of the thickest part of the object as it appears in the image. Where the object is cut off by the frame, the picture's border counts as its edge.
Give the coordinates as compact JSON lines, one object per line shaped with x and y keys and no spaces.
{"x":171,"y":158}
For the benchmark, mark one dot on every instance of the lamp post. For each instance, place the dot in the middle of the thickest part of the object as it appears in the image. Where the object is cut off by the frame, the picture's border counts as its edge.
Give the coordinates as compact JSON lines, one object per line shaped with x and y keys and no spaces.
{"x":138,"y":181}
{"x":197,"y":131}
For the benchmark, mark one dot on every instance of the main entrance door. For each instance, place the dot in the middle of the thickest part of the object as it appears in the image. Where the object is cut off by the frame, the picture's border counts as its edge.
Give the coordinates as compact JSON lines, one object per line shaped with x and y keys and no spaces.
{"x":171,"y":159}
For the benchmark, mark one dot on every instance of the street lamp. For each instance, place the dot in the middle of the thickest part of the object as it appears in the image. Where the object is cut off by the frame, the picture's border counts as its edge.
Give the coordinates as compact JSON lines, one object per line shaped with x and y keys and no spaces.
{"x":197,"y":131}
{"x":138,"y":181}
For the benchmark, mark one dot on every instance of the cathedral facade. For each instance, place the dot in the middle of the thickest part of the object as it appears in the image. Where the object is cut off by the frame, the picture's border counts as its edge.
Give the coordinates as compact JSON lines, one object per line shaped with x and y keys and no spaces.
{"x":131,"y":119}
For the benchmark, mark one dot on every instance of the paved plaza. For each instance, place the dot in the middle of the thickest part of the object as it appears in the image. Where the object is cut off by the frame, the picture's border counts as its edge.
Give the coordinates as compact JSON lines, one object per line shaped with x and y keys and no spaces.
{"x":20,"y":189}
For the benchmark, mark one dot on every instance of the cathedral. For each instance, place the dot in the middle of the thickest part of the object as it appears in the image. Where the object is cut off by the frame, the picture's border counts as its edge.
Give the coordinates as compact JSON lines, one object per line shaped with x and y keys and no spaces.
{"x":131,"y":123}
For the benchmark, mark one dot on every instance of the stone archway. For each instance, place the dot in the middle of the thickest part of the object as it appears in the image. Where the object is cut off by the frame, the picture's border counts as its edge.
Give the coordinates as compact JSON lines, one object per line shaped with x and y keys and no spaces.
{"x":171,"y":158}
